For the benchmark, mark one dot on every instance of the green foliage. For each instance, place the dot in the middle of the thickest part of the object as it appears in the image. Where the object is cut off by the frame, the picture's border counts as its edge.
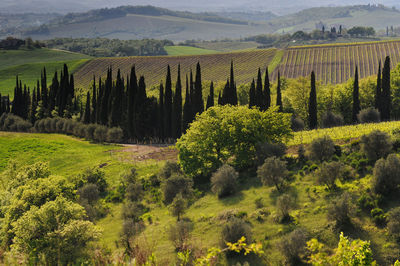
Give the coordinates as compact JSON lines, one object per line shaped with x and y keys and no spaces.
{"x":369,"y":115}
{"x":293,"y":246}
{"x":54,"y":233}
{"x":170,"y":168}
{"x":393,"y":224}
{"x":234,"y":230}
{"x":175,"y":185}
{"x":376,"y":145}
{"x":348,"y":252}
{"x":178,"y":206}
{"x":284,"y":204}
{"x":92,"y":176}
{"x":378,"y":216}
{"x":329,"y":173}
{"x":330,"y":119}
{"x":341,"y":210}
{"x":386,"y":177}
{"x":273,"y":173}
{"x":266,"y":150}
{"x":179,"y":235}
{"x":224,"y":181}
{"x":227,"y":133}
{"x":321,"y":149}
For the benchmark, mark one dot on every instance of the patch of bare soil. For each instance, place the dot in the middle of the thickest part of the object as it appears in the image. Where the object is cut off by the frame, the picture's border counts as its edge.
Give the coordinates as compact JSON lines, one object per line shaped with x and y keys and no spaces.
{"x":137,"y":153}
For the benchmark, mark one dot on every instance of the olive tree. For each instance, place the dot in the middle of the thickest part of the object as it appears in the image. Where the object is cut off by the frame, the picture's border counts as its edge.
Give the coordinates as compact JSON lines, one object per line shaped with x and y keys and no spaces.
{"x":273,"y":172}
{"x":229,"y":133}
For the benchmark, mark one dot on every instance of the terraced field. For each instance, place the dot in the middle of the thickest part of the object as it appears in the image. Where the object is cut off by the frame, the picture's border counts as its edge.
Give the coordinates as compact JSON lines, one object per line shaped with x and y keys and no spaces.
{"x":215,"y":67}
{"x":336,"y":63}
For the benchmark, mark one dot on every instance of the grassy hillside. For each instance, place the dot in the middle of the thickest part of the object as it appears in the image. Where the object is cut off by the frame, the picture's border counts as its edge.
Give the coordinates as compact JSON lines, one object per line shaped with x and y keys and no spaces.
{"x":336,"y":63}
{"x":187,"y":50}
{"x":215,"y":67}
{"x":28,"y":64}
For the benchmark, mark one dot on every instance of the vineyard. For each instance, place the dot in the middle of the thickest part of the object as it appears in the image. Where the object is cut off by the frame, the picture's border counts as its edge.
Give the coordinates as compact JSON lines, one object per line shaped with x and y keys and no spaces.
{"x":336,"y":63}
{"x":215,"y":67}
{"x":343,"y":133}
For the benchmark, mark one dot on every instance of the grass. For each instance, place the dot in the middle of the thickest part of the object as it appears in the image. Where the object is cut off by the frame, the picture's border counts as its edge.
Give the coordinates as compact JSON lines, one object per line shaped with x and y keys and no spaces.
{"x":30,"y":73}
{"x":187,"y":50}
{"x":343,"y":133}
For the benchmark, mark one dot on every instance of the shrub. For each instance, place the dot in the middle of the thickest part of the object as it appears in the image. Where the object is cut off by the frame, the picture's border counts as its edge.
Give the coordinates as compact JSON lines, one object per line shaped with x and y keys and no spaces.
{"x":169,"y":169}
{"x":100,"y":133}
{"x":267,"y":150}
{"x":134,"y":191}
{"x":259,"y":203}
{"x":393,"y":224}
{"x":293,"y":246}
{"x":133,"y":211}
{"x":174,"y":185}
{"x":378,"y":216}
{"x":341,"y":210}
{"x":330,"y":119}
{"x":273,"y":173}
{"x":369,"y":115}
{"x":321,"y":149}
{"x":92,"y":176}
{"x":376,"y":145}
{"x":89,"y":133}
{"x":10,"y":122}
{"x":178,"y":206}
{"x":284,"y":204}
{"x":329,"y":173}
{"x":115,"y":134}
{"x":234,"y":230}
{"x":297,"y":124}
{"x":131,"y":228}
{"x":224,"y":181}
{"x":89,"y":193}
{"x":179,"y":235}
{"x":386,"y":177}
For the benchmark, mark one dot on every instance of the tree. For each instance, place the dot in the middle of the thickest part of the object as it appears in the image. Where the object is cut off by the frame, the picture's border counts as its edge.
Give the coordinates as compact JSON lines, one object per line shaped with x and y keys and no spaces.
{"x":259,"y":92}
{"x":168,"y":105}
{"x":86,"y":118}
{"x":94,"y":102}
{"x":175,"y":185}
{"x":273,"y":172}
{"x":267,"y":90}
{"x":329,"y":173}
{"x":178,"y":206}
{"x":198,"y":103}
{"x":252,"y":95}
{"x":177,"y":107}
{"x":187,"y":110}
{"x":161,"y":126}
{"x":376,"y":145}
{"x":132,"y":91}
{"x":378,"y":91}
{"x":386,"y":177}
{"x":293,"y":246}
{"x":321,"y":149}
{"x":210,"y":98}
{"x":233,"y":91}
{"x":56,"y":231}
{"x":386,"y":94}
{"x":224,"y":181}
{"x":356,"y":98}
{"x":225,"y":133}
{"x":312,"y":109}
{"x":341,"y":210}
{"x":279,"y":94}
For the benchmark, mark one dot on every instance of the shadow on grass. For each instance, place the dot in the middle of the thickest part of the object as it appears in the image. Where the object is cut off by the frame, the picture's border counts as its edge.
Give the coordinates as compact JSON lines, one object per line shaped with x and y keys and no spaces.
{"x":290,"y":190}
{"x":232,"y":200}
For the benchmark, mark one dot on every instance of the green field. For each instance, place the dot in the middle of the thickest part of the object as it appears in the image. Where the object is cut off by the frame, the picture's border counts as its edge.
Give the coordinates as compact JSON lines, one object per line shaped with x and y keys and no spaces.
{"x":28,"y":64}
{"x":187,"y":50}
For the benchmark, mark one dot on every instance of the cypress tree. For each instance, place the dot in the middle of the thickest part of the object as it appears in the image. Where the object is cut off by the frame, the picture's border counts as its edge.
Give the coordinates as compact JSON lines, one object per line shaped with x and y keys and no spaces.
{"x":45,"y":94}
{"x":252,"y":95}
{"x":141,"y":113}
{"x":210,"y":98}
{"x":227,"y":97}
{"x":105,"y":98}
{"x":87,"y":116}
{"x":279,"y":94}
{"x":356,"y":97}
{"x":116,"y":100}
{"x":220,"y":99}
{"x":187,"y":112}
{"x":132,"y":91}
{"x":267,"y":90}
{"x":1,"y":105}
{"x":38,"y":93}
{"x":198,"y":104}
{"x":33,"y":106}
{"x":161,"y":111}
{"x":259,"y":92}
{"x":385,"y":96}
{"x":168,"y":105}
{"x":94,"y":102}
{"x":233,"y":99}
{"x":177,"y":107}
{"x":99,"y":102}
{"x":54,"y":90}
{"x":378,"y":89}
{"x":312,"y":110}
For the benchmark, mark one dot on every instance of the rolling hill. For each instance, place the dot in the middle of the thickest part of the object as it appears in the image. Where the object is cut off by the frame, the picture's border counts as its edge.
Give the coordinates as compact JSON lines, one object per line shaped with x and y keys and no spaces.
{"x":336,"y":63}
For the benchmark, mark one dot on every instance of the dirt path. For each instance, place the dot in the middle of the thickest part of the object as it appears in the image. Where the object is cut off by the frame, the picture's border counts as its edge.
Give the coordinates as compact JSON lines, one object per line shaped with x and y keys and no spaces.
{"x":137,"y":153}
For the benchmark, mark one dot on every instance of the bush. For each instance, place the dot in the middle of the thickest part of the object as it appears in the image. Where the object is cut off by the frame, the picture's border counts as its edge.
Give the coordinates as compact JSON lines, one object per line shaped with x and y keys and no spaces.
{"x":267,"y":150}
{"x":100,"y":133}
{"x":174,"y":185}
{"x":293,"y":246}
{"x":386,"y":175}
{"x":369,"y":115}
{"x":89,"y":133}
{"x":115,"y":134}
{"x":321,"y":149}
{"x":393,"y":224}
{"x":169,"y":169}
{"x":376,"y":145}
{"x":366,"y":202}
{"x":13,"y":123}
{"x":341,"y":210}
{"x":297,"y":124}
{"x":92,"y":176}
{"x":378,"y":216}
{"x":224,"y":181}
{"x":329,"y":173}
{"x":89,"y":193}
{"x":273,"y":173}
{"x":178,"y":206}
{"x":259,"y":203}
{"x":179,"y":235}
{"x":234,"y":230}
{"x":284,"y":204}
{"x":330,"y":119}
